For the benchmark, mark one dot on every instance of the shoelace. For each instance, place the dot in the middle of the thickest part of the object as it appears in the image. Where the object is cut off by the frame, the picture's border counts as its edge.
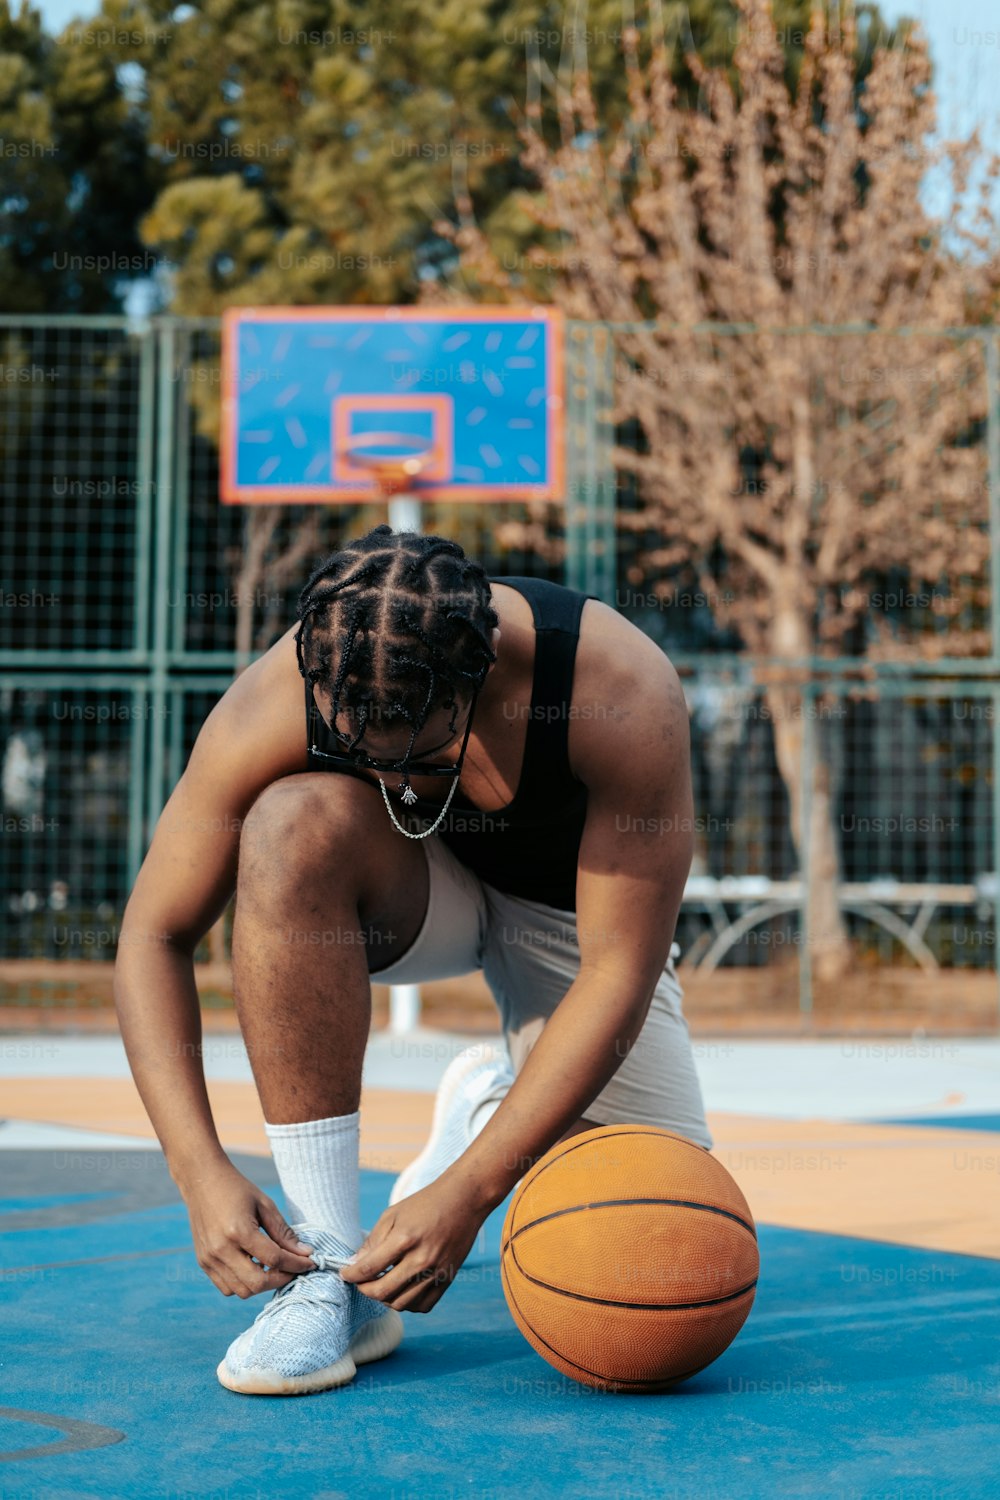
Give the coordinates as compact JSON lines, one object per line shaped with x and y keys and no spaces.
{"x":326,"y":1262}
{"x":300,"y":1289}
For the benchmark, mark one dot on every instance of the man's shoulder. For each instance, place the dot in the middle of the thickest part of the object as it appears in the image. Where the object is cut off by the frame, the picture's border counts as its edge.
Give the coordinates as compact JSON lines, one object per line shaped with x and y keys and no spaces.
{"x":263,"y":710}
{"x":627,"y":696}
{"x":615,"y":656}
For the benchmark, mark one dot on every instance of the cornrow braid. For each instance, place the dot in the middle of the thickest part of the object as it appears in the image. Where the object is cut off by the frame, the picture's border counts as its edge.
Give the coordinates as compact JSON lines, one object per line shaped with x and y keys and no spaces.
{"x":394,"y":627}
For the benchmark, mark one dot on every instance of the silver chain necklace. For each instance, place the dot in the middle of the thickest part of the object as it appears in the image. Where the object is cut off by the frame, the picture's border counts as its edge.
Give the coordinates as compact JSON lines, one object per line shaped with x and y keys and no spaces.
{"x":405,"y":831}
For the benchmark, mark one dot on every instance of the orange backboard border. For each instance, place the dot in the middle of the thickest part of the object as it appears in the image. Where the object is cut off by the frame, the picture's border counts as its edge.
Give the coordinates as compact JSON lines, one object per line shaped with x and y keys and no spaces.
{"x":232,"y":493}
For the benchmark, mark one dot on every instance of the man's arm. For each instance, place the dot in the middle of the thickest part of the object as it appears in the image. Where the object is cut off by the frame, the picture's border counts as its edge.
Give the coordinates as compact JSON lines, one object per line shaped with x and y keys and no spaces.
{"x":635,"y":856}
{"x":185,"y":883}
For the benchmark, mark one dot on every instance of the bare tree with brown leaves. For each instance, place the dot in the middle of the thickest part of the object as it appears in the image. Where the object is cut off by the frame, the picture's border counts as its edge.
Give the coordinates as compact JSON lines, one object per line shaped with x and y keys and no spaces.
{"x":789,"y":465}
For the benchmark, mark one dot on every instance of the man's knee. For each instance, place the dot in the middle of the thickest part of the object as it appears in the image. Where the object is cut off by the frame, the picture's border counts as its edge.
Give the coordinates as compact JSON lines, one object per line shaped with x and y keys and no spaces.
{"x":300,"y":826}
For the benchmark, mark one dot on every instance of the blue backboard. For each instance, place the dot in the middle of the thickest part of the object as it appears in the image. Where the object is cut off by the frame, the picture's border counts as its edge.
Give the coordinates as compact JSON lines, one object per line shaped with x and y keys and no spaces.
{"x":478,"y":391}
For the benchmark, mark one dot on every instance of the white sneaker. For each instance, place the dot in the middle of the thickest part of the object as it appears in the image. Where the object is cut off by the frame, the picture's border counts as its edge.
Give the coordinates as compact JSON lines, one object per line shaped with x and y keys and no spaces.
{"x":313,"y":1333}
{"x":479,"y":1075}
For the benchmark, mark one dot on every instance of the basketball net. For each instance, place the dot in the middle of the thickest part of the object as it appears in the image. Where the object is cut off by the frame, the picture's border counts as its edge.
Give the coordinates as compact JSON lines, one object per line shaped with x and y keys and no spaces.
{"x":393,"y":473}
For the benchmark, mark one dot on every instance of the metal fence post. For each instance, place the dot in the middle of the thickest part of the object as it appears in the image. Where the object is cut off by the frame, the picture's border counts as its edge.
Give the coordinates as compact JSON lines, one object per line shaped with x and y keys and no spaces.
{"x":138,"y":790}
{"x":990,"y":349}
{"x":135,"y":848}
{"x":992,"y":352}
{"x":805,"y":847}
{"x":995,"y":842}
{"x":177,"y":378}
{"x":162,"y":570}
{"x":591,"y":562}
{"x":145,"y":486}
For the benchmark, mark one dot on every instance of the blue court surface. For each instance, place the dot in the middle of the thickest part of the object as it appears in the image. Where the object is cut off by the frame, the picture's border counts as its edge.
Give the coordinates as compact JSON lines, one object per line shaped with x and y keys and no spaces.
{"x":869,"y":1367}
{"x":884,"y":1380}
{"x":953,"y":1122}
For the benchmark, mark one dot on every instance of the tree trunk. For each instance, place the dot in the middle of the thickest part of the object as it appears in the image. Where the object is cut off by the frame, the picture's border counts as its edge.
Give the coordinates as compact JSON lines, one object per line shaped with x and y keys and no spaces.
{"x":788,"y":706}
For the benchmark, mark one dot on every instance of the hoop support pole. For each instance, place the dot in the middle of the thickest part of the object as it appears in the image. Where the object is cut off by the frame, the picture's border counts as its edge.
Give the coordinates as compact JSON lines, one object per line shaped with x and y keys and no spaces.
{"x":404,"y":999}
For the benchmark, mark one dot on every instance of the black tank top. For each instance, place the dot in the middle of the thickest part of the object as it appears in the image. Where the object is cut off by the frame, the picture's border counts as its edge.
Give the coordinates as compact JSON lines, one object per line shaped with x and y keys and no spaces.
{"x":531,"y":847}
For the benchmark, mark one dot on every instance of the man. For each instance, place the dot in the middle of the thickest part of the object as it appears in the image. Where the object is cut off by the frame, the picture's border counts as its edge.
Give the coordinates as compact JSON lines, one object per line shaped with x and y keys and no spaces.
{"x":484,"y":774}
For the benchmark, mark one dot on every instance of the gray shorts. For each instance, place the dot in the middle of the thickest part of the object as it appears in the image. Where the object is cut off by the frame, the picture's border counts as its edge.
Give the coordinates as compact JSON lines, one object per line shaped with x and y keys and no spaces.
{"x":530,"y":956}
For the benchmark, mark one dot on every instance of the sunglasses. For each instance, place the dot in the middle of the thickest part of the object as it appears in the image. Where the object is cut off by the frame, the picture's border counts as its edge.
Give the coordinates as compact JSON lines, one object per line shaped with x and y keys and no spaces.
{"x":359,"y":759}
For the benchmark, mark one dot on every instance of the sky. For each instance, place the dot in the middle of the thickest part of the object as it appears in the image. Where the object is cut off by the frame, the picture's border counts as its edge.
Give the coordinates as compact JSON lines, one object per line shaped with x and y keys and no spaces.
{"x":965,"y":50}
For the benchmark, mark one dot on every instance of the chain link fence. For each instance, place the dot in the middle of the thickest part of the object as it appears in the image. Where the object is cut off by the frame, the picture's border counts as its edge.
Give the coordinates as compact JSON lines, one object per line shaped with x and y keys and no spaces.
{"x":128,"y":606}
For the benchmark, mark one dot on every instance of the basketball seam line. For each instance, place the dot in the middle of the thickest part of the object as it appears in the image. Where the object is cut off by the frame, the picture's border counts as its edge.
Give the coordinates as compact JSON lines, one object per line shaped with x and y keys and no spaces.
{"x":580,"y":1208}
{"x":576,"y":1143}
{"x":634,"y":1306}
{"x":614,"y":1382}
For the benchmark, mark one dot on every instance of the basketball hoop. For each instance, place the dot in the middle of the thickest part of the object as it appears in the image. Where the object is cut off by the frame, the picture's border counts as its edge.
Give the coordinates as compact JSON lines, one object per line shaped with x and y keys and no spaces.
{"x":392,"y":473}
{"x":483,"y":387}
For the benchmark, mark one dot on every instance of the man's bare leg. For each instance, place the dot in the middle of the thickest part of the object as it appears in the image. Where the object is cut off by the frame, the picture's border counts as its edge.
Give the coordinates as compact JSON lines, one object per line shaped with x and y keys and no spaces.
{"x":324,"y":881}
{"x":325,"y":884}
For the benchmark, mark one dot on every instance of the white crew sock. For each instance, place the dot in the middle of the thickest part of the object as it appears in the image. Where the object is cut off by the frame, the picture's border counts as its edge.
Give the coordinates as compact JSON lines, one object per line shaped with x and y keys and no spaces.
{"x":317,"y":1162}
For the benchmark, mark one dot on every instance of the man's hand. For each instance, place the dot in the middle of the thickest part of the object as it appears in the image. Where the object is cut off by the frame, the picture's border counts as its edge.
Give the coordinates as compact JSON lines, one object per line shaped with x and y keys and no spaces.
{"x":241,"y":1240}
{"x":424,"y":1239}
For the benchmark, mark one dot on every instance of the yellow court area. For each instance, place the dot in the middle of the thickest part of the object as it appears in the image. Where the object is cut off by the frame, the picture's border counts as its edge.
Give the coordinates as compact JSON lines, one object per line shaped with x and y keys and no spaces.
{"x":927,"y":1187}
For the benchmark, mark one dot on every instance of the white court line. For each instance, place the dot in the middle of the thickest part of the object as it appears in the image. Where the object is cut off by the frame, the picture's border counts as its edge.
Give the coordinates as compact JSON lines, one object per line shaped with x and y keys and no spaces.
{"x":35,"y":1135}
{"x":833,"y":1079}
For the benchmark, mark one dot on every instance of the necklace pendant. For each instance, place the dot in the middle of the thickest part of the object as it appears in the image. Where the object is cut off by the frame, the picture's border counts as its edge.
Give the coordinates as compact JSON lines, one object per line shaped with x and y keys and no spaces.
{"x":409,"y":795}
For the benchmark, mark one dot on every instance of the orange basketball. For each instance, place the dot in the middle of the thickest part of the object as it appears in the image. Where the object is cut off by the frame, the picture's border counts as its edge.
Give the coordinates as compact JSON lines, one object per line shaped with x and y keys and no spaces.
{"x":629,"y":1258}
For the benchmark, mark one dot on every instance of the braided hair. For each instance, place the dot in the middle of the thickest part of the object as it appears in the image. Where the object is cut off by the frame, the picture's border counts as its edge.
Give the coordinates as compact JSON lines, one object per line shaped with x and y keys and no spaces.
{"x":394,"y":627}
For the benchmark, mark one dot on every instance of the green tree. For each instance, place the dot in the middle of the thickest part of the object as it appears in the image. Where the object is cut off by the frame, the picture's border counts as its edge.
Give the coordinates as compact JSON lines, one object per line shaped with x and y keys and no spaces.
{"x":327,"y":151}
{"x":74,"y":172}
{"x":301,"y":150}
